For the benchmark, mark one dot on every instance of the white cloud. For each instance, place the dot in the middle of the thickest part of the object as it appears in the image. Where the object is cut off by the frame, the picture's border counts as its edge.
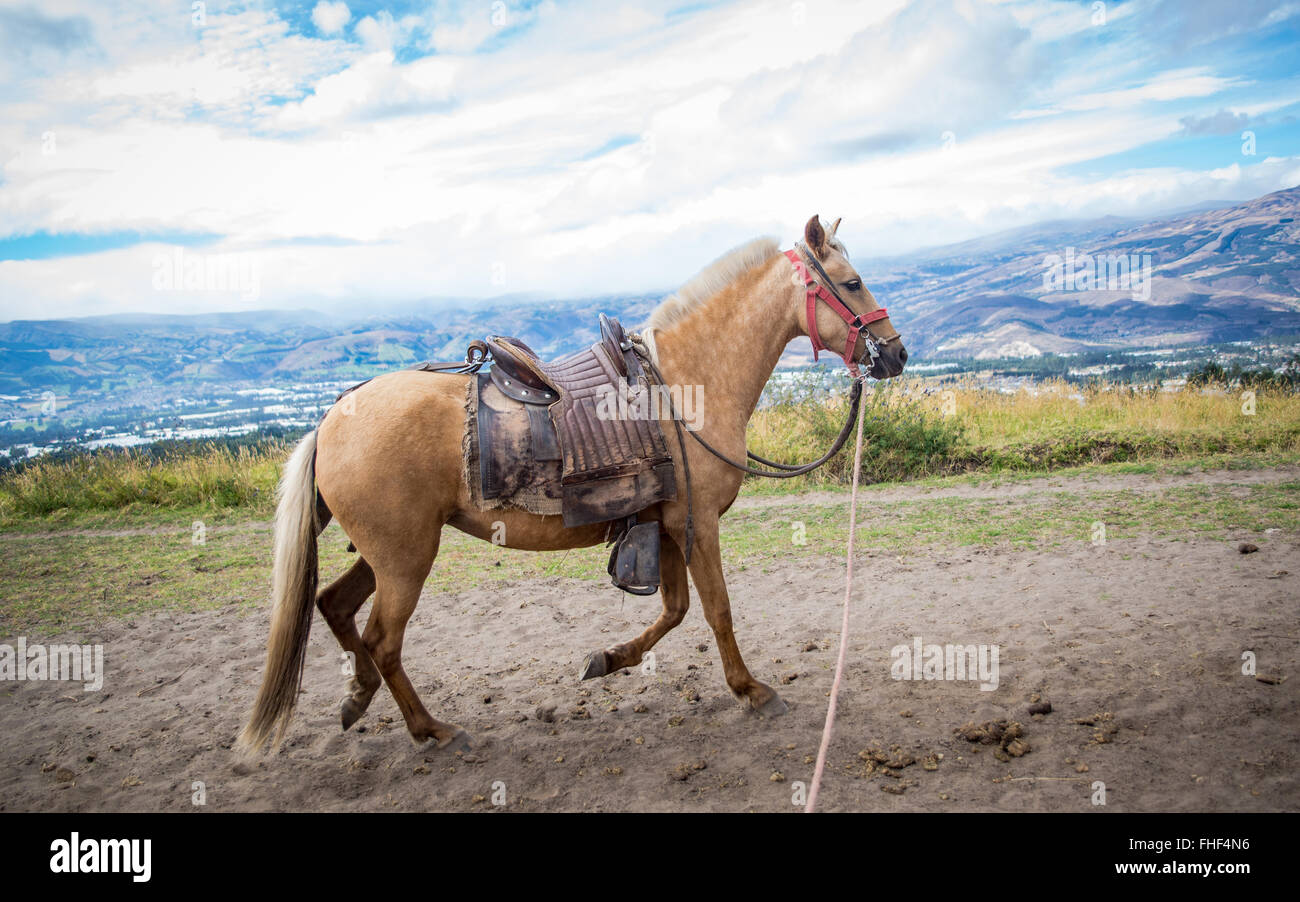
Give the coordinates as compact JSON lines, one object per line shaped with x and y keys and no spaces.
{"x":585,"y":148}
{"x":330,"y":18}
{"x":374,"y":83}
{"x":383,"y":32}
{"x":450,"y":257}
{"x":233,"y":68}
{"x":1165,"y":86}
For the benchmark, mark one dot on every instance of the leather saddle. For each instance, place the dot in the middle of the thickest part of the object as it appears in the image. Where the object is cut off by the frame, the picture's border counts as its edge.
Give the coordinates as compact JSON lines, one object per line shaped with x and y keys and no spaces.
{"x":609,"y":467}
{"x":532,"y":381}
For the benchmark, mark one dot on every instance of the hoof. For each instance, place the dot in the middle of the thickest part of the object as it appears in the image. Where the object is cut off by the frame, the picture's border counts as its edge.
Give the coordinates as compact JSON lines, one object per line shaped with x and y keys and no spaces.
{"x":773,"y":707}
{"x":597,"y":666}
{"x":351,"y":711}
{"x":457,"y":742}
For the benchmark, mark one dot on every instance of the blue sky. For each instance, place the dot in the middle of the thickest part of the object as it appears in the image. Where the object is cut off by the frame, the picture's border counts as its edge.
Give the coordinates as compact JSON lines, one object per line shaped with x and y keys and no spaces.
{"x":352,"y":154}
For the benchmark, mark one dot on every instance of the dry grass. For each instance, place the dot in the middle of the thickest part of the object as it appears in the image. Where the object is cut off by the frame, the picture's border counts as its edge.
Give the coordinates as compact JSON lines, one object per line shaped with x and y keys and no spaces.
{"x":920,"y":428}
{"x":205,"y":476}
{"x":995,"y":419}
{"x":914,"y":430}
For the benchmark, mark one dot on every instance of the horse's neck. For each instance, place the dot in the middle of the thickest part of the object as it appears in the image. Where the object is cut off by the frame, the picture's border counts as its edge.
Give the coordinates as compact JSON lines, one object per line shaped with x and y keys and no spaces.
{"x":729,"y":347}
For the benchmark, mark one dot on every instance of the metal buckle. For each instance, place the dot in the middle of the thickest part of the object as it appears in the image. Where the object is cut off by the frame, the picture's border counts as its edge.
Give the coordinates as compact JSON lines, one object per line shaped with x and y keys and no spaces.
{"x":870,"y":346}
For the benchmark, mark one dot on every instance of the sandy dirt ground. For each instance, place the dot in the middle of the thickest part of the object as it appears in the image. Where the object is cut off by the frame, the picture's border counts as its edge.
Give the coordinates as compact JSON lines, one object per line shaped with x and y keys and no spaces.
{"x":1137,"y":645}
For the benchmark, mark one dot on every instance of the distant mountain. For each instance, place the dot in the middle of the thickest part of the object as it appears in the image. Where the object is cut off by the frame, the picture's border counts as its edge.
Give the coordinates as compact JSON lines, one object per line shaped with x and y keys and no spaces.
{"x":128,"y":351}
{"x":1217,"y":275}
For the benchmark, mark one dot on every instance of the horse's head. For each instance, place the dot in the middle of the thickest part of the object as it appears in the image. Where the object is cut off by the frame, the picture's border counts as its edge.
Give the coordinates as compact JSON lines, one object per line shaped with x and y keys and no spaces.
{"x":844,"y":307}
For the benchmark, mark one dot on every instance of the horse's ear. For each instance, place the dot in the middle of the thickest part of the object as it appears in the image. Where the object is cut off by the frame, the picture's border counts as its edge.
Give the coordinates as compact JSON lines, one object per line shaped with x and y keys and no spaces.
{"x":835,"y":227}
{"x":815,"y":236}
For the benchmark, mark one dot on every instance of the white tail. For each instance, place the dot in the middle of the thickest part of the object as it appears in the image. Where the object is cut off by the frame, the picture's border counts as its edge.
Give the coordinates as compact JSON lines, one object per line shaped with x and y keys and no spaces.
{"x":293,"y":597}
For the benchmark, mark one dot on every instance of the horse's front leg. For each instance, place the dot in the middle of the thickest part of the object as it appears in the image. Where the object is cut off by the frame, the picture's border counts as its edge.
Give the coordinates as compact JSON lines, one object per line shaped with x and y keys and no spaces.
{"x":706,"y":571}
{"x":676,"y":595}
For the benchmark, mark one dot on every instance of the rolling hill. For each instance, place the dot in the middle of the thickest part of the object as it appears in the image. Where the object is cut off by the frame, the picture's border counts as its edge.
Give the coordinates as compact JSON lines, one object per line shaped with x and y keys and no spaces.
{"x":1227,"y":274}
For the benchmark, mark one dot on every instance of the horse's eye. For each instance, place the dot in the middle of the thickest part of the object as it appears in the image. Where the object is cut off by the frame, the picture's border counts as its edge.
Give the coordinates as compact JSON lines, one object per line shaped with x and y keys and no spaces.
{"x":853,"y":284}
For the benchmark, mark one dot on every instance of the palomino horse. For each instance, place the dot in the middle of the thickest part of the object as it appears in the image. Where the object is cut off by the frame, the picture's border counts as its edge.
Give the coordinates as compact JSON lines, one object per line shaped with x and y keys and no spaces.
{"x":390,"y":469}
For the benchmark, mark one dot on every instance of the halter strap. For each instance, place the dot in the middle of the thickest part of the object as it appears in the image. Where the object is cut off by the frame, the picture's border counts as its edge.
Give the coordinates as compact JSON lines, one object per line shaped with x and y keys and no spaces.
{"x":857,"y":323}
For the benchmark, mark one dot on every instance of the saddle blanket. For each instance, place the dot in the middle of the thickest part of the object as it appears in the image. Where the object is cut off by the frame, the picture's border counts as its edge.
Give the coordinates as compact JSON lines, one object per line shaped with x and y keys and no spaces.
{"x":515,"y":476}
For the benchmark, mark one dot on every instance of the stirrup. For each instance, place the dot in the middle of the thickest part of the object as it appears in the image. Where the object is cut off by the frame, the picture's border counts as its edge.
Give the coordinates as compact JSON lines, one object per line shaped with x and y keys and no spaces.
{"x":634,"y":559}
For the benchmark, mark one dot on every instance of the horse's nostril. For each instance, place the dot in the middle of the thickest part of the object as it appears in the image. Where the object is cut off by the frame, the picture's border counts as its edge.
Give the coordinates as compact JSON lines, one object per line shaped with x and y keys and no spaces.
{"x":902,"y":355}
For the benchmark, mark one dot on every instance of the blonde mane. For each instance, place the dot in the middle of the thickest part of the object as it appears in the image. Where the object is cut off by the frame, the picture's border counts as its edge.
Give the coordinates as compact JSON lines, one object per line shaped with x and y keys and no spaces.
{"x":710,"y":280}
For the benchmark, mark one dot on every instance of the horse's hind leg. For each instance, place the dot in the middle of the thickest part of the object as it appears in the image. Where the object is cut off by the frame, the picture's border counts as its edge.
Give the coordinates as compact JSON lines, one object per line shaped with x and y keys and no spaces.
{"x":395,"y":601}
{"x":338,"y":604}
{"x":676,"y":594}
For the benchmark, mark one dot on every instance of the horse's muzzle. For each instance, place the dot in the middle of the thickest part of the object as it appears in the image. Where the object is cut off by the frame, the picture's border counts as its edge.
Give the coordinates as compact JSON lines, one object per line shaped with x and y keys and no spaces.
{"x":890,"y":362}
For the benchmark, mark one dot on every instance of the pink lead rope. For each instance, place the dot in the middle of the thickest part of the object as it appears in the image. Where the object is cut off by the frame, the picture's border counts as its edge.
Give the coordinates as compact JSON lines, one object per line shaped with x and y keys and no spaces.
{"x":844,"y":627}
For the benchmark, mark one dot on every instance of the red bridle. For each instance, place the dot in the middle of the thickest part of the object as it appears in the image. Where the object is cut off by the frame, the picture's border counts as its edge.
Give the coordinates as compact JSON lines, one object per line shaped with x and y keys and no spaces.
{"x":857,"y":323}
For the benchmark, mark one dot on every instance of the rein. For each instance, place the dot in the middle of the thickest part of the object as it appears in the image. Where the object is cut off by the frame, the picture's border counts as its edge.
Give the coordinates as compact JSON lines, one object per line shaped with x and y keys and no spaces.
{"x":781,"y":471}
